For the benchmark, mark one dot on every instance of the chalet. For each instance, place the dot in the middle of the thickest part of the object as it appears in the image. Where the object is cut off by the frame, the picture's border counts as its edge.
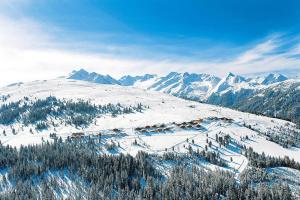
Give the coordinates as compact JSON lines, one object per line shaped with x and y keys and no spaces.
{"x":53,"y":135}
{"x":77,"y":135}
{"x":138,"y":129}
{"x":182,"y":126}
{"x":197,"y":121}
{"x":189,"y":126}
{"x":167,"y":129}
{"x":162,"y":126}
{"x":159,"y":130}
{"x":198,"y":126}
{"x":226,"y":119}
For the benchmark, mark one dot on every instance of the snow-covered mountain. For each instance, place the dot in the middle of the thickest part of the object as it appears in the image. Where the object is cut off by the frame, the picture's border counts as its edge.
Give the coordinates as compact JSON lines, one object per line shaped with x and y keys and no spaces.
{"x":140,"y":81}
{"x":273,"y":78}
{"x":268,"y":96}
{"x":188,"y":85}
{"x":232,"y":91}
{"x":228,"y":83}
{"x":280,"y":100}
{"x":195,"y":86}
{"x":92,"y":77}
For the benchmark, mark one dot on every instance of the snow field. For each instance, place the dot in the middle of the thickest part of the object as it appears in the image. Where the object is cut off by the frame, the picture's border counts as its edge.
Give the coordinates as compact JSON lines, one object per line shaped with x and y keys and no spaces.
{"x":163,"y":109}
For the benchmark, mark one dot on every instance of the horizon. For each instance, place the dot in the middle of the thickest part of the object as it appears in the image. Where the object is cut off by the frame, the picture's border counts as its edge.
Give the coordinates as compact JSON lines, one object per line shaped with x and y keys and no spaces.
{"x":154,"y":37}
{"x":260,"y":75}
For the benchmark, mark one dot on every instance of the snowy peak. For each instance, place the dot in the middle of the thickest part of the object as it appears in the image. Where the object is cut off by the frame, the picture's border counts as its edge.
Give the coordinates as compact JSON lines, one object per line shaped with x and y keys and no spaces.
{"x":186,"y":84}
{"x":165,"y":82}
{"x":273,"y":78}
{"x":78,"y":75}
{"x":229,"y":82}
{"x":233,"y":79}
{"x":131,"y":80}
{"x":190,"y":78}
{"x":83,"y":75}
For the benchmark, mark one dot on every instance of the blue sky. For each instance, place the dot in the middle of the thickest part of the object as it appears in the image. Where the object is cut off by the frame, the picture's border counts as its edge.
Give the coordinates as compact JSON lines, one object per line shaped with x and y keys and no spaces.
{"x":156,"y":36}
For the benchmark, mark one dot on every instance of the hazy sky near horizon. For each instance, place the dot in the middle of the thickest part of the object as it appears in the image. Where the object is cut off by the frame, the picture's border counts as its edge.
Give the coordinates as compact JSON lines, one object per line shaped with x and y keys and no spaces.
{"x":42,"y":39}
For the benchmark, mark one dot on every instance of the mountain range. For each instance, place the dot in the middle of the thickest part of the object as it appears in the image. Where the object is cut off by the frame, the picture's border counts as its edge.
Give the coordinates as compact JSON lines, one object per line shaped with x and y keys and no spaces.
{"x":273,"y":95}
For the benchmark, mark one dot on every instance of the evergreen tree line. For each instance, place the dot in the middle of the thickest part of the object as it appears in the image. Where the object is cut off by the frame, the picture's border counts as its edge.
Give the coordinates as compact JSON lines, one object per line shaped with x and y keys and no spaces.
{"x":198,"y":156}
{"x":119,"y":177}
{"x":289,"y":138}
{"x":284,"y":136}
{"x":264,"y":161}
{"x":196,"y":183}
{"x":4,"y":98}
{"x":209,"y":156}
{"x":76,"y":113}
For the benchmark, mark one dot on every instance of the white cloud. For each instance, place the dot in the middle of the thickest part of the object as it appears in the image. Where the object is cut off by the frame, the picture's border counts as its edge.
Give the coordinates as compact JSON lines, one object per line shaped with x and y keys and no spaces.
{"x":29,"y":52}
{"x":257,"y":53}
{"x":268,"y":56}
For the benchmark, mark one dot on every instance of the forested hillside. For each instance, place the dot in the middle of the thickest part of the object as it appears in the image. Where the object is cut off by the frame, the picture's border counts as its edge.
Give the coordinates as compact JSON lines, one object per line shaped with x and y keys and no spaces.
{"x":281,"y":101}
{"x":25,"y":174}
{"x":45,"y":112}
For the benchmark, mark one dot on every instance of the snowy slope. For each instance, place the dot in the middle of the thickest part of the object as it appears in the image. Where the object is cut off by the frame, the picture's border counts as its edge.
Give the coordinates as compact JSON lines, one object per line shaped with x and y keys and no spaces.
{"x":163,"y":109}
{"x":141,"y":81}
{"x":231,"y":82}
